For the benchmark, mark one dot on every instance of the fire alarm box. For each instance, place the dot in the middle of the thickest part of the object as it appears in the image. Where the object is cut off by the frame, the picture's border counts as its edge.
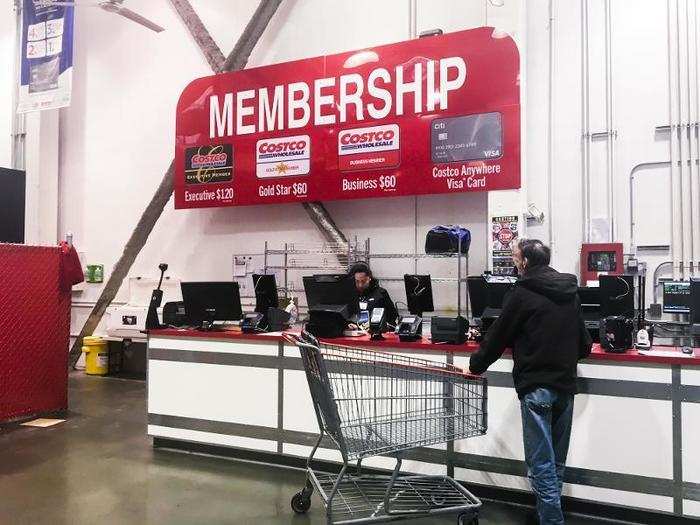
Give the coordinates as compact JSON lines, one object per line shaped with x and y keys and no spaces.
{"x":600,"y":259}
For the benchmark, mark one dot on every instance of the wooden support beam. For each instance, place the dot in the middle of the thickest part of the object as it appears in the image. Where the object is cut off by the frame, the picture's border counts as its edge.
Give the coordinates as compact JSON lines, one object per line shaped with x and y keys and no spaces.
{"x":237,"y":59}
{"x":200,"y":34}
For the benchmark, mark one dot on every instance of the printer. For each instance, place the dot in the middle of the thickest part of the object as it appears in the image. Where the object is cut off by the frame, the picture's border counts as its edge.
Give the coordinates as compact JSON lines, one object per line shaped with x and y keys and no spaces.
{"x":129,"y":321}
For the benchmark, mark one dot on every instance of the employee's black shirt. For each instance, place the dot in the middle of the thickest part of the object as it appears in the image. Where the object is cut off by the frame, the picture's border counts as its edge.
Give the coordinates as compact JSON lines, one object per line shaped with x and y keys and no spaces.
{"x":377,"y":297}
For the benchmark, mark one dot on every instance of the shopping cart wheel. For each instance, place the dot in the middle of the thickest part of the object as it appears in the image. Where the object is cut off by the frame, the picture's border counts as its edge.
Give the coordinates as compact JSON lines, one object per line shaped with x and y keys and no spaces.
{"x":301,"y":503}
{"x":468,"y":519}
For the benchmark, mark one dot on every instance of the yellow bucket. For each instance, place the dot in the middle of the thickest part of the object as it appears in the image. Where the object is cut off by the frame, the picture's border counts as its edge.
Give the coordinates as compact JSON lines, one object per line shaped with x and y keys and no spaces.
{"x":96,"y":356}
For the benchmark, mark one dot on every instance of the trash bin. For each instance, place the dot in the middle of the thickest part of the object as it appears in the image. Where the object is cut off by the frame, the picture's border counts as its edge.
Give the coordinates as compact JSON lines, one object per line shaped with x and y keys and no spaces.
{"x":96,"y":356}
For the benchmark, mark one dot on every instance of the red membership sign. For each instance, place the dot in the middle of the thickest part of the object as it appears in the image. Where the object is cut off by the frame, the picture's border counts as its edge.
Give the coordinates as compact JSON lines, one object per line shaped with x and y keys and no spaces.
{"x":438,"y":114}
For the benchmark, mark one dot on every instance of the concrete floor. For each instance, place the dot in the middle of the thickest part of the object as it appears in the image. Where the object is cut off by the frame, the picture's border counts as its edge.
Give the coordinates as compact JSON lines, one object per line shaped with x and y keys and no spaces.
{"x":99,"y":467}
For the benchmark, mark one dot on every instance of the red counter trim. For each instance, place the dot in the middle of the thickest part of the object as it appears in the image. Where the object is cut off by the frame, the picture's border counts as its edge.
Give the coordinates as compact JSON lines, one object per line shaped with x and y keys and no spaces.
{"x":424,"y":345}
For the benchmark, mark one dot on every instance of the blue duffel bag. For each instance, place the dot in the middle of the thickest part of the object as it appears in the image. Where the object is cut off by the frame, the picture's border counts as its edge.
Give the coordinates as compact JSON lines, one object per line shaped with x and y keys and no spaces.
{"x":446,"y":239}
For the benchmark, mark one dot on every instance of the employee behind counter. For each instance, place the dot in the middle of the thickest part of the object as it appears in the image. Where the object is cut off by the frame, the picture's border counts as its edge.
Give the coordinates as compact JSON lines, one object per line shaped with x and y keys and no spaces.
{"x":371,"y":295}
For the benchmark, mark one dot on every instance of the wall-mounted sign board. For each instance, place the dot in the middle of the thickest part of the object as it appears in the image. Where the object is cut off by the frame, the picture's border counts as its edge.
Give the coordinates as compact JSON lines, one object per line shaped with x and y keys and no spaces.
{"x":433,"y":115}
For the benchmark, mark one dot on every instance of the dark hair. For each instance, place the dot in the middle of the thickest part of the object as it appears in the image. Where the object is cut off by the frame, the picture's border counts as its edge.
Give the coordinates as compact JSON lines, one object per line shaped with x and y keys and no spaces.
{"x":360,"y":267}
{"x":535,"y":251}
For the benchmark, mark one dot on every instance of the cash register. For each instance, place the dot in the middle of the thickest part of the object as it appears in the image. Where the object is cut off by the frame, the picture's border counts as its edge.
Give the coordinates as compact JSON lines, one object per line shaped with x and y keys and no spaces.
{"x":267,"y":317}
{"x":333,"y":303}
{"x":419,"y":297}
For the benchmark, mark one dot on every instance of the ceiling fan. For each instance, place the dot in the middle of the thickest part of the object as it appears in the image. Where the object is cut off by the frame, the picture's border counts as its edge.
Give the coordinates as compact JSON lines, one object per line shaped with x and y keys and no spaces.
{"x":113,"y":6}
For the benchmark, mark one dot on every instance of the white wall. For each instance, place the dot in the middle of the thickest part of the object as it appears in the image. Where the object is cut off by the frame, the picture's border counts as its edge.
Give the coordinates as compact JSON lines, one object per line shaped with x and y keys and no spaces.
{"x":116,"y":139}
{"x":7,"y":66}
{"x":640,"y":101}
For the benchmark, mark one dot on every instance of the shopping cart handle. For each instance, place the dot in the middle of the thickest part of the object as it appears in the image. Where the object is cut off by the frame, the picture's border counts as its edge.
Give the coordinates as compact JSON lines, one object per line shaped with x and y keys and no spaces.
{"x":469,"y":374}
{"x":292,"y":337}
{"x":303,"y":338}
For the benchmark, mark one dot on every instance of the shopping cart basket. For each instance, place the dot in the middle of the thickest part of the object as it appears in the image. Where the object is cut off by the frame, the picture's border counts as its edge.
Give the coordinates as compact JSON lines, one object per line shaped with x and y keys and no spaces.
{"x":372,"y":403}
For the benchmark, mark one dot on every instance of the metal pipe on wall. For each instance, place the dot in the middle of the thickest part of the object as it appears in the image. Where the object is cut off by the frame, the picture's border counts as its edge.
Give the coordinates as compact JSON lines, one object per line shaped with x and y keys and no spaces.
{"x":683,"y":135}
{"x":550,"y":129}
{"x":692,"y":190}
{"x":585,"y":122}
{"x":413,"y":33}
{"x":609,"y":138}
{"x":19,"y":120}
{"x":656,"y":278}
{"x":695,"y":134}
{"x":640,"y":166}
{"x":676,"y":242}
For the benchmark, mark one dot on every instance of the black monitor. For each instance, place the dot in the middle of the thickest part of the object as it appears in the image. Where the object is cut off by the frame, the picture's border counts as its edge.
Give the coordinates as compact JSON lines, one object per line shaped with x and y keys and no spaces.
{"x":478,"y":299}
{"x":12,"y":205}
{"x":616,"y":295}
{"x":496,"y":292}
{"x":419,"y":294}
{"x":266,"y":296}
{"x":695,"y":301}
{"x":589,"y":298}
{"x":206,"y":302}
{"x":677,"y":297}
{"x":335,"y":290}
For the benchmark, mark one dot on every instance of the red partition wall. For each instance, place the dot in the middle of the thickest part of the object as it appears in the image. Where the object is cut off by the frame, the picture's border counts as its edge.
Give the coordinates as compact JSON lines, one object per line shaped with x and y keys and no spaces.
{"x":34,"y":332}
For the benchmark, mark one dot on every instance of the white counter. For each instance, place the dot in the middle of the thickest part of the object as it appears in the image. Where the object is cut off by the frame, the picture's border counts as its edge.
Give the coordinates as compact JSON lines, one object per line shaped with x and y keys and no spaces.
{"x":634,"y":439}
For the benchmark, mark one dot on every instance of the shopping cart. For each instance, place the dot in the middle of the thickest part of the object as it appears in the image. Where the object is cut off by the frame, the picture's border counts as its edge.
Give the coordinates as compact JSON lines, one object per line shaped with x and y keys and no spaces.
{"x":372,"y":403}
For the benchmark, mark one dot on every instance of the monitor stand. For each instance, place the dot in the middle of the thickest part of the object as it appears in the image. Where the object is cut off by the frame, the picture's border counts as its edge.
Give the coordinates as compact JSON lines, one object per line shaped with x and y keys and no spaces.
{"x":208,"y":324}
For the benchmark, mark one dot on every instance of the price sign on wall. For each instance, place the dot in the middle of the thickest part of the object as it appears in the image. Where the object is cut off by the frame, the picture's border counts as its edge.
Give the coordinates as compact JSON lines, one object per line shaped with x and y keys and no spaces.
{"x":432,"y":115}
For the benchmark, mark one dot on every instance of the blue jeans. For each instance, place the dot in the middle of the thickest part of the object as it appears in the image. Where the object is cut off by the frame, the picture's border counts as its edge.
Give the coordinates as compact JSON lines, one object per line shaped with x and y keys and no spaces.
{"x":547,"y":416}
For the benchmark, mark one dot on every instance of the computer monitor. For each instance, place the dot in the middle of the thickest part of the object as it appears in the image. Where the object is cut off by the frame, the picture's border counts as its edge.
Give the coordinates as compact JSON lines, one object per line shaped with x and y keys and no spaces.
{"x":419,"y":294}
{"x":266,"y":296}
{"x":616,"y":295}
{"x":695,"y":301}
{"x":496,"y":292}
{"x":589,"y":298}
{"x":335,"y":290}
{"x":478,"y":300}
{"x":677,"y":297}
{"x":211,"y":301}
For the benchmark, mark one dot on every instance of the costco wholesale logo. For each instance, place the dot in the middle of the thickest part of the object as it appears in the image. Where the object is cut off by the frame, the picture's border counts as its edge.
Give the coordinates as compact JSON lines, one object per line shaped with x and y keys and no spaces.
{"x":212,"y":163}
{"x":369,"y":148}
{"x":283,"y":157}
{"x":213,"y":160}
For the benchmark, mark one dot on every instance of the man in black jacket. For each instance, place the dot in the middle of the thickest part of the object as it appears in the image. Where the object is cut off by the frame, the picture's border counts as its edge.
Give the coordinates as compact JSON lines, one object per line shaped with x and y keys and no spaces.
{"x":371,"y":294}
{"x":541,"y":322}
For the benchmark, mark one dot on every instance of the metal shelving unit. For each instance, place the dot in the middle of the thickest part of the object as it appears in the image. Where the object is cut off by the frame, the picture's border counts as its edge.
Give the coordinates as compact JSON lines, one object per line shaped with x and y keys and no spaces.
{"x":314,"y":257}
{"x":324,"y":257}
{"x":460,"y":257}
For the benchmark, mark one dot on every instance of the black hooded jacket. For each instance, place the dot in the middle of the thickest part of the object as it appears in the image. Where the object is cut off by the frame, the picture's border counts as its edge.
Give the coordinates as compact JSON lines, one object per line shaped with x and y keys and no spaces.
{"x":377,"y":297}
{"x":541,"y":321}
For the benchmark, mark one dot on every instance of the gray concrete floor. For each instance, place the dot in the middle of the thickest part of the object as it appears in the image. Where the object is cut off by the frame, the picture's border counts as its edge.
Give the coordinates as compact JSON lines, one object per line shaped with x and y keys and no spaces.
{"x":99,"y":467}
